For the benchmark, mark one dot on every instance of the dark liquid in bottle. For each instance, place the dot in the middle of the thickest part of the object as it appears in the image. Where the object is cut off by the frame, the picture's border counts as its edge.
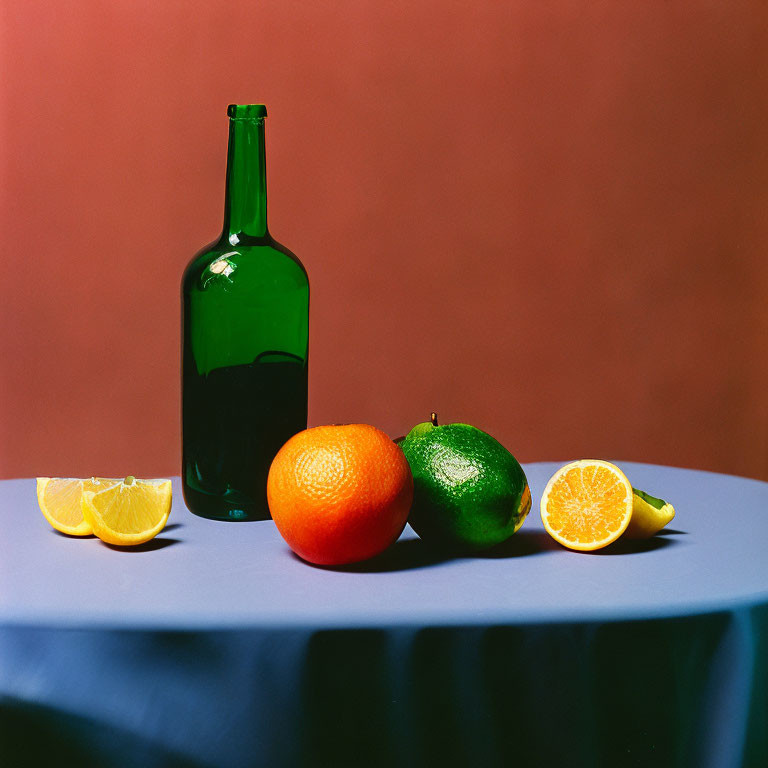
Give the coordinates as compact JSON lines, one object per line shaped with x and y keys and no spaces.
{"x":235,"y":419}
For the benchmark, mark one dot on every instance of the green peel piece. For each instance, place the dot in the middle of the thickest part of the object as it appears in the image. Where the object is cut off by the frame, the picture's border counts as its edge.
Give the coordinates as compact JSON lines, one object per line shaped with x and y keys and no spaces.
{"x":649,"y":515}
{"x":648,"y":499}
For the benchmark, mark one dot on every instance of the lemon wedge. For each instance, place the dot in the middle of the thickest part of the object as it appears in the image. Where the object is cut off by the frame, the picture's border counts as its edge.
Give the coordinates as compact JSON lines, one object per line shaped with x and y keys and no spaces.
{"x":59,"y":501}
{"x":649,"y":515}
{"x":128,"y":513}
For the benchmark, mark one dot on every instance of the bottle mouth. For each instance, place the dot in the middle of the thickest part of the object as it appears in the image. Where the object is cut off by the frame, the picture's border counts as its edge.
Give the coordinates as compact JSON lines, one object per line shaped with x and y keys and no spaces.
{"x":247,"y":111}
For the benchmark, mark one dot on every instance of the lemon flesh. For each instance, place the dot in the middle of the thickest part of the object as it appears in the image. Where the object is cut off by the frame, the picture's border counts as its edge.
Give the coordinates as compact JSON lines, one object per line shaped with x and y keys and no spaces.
{"x":59,"y":499}
{"x":649,"y":515}
{"x":129,"y":513}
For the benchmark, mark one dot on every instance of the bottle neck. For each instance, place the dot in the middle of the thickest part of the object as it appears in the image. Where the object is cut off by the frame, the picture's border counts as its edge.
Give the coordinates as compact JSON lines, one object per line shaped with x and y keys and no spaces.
{"x":245,"y":206}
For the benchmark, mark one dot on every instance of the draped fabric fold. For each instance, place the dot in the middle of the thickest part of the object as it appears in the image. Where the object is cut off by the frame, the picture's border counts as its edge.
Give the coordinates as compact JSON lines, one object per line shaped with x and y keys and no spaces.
{"x":669,"y":692}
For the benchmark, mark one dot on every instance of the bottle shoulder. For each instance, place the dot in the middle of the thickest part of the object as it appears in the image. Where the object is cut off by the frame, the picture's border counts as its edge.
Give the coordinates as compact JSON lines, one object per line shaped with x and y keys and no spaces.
{"x":290,"y":255}
{"x":221,"y":255}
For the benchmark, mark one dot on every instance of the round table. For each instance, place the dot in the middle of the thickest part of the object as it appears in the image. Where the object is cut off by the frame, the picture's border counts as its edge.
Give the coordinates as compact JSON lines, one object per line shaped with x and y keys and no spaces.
{"x":213,"y":645}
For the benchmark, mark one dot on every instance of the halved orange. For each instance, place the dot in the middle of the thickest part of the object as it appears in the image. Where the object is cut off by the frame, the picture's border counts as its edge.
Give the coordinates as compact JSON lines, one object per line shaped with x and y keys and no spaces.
{"x":587,"y":504}
{"x":130,"y":512}
{"x":59,"y":501}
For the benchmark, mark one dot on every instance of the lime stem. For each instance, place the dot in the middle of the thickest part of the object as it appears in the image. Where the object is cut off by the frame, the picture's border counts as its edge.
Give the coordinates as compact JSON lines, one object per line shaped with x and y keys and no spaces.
{"x":433,"y":418}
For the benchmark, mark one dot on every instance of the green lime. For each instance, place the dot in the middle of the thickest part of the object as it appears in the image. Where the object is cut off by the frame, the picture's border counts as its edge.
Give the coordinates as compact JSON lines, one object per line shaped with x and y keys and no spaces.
{"x":470,"y":492}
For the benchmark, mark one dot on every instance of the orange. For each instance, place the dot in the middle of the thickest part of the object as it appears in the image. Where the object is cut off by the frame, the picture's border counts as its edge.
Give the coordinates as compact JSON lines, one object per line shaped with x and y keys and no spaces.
{"x":587,"y":504}
{"x":339,"y":494}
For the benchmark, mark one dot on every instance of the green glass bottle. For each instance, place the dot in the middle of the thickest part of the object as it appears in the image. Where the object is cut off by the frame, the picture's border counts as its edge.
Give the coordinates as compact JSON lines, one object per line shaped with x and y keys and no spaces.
{"x":245,"y":330}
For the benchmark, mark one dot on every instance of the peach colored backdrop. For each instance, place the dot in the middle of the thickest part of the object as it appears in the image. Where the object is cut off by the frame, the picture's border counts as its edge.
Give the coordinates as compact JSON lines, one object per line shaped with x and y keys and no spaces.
{"x":547,"y":219}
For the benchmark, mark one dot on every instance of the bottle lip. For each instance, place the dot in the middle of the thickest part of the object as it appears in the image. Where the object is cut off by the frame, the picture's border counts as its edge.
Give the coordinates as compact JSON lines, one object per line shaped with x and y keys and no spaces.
{"x":247,"y":111}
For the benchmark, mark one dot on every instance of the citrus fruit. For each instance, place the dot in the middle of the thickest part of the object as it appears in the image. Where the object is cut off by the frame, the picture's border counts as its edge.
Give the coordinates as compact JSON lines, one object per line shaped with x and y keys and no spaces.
{"x":130,"y":512}
{"x":339,"y":494}
{"x":59,"y":500}
{"x":469,"y":490}
{"x":587,"y":504}
{"x":649,"y":515}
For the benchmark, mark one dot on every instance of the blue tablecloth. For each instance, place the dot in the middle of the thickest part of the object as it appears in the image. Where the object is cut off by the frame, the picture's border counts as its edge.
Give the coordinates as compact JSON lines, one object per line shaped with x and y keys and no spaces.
{"x":213,"y":645}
